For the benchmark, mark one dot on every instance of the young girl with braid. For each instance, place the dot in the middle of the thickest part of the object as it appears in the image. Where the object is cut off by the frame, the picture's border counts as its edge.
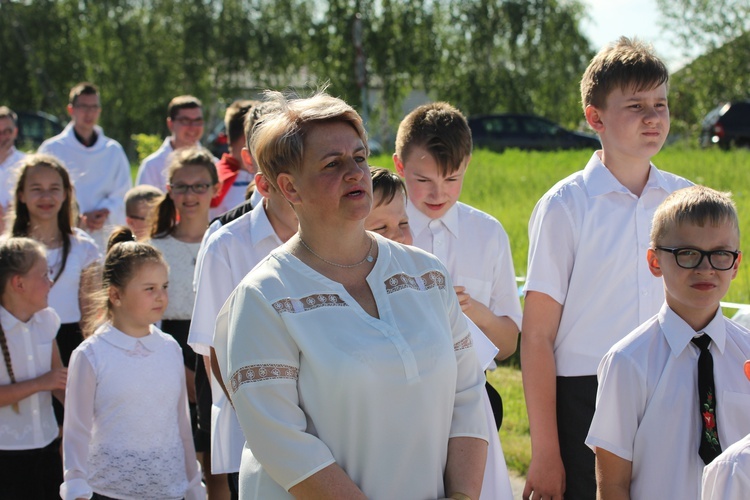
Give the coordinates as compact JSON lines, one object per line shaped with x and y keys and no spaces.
{"x":31,"y":372}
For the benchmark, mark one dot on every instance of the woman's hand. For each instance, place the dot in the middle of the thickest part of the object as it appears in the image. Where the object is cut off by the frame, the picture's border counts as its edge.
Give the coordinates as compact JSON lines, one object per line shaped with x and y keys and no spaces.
{"x":53,"y":380}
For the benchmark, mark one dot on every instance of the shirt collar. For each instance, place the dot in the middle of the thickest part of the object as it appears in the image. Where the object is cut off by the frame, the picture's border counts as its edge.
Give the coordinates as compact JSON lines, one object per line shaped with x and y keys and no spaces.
{"x":599,"y":180}
{"x":261,"y":226}
{"x":10,"y":322}
{"x":419,"y":222}
{"x":117,"y":338}
{"x":679,"y":334}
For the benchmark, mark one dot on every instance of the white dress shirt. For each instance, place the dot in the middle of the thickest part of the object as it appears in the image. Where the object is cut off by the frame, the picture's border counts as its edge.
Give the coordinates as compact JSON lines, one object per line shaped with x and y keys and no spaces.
{"x":647,"y":402}
{"x":151,"y":171}
{"x":588,"y":238}
{"x":728,"y":476}
{"x":127,"y":428}
{"x":474,"y":247}
{"x":316,"y":380}
{"x":231,"y":253}
{"x":30,"y":345}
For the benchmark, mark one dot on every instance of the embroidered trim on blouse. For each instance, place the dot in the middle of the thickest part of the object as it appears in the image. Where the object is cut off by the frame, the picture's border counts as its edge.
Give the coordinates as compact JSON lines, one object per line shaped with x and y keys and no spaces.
{"x":259,"y":373}
{"x":308,"y":303}
{"x":464,"y":343}
{"x":400,"y":281}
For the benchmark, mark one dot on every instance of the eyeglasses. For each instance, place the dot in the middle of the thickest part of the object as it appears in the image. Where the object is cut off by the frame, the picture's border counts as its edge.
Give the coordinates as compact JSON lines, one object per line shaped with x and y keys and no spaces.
{"x":199,"y":188}
{"x":690,"y":258}
{"x":6,"y":131}
{"x":87,"y":107}
{"x":188,"y":122}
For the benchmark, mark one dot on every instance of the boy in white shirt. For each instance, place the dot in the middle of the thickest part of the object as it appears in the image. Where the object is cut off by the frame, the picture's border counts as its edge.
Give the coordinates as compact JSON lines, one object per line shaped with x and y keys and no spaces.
{"x":587,"y":281}
{"x":671,"y":393}
{"x":433,"y":149}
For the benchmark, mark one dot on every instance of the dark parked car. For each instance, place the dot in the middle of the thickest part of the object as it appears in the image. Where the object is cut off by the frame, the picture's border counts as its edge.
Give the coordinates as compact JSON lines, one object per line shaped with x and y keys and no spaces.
{"x":34,"y":127}
{"x":498,"y":132}
{"x":727,"y":125}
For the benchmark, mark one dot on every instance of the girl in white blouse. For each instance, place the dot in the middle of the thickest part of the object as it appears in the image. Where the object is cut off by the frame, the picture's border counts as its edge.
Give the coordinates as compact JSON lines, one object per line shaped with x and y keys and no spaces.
{"x":180,"y":219}
{"x":44,"y":209}
{"x":127,"y":429}
{"x":31,"y":372}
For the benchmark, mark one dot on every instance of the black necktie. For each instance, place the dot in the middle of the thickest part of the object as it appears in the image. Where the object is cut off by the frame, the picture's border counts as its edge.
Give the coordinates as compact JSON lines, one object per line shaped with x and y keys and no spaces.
{"x":710,"y":446}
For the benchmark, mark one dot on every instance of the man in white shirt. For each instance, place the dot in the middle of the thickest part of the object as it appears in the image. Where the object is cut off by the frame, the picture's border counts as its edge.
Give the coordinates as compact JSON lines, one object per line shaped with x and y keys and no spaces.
{"x":185,"y":122}
{"x":9,"y":157}
{"x":229,"y":255}
{"x":98,"y":167}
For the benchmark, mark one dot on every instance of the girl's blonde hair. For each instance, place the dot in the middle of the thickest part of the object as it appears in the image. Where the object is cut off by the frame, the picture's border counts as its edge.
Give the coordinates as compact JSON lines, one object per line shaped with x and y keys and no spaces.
{"x":20,"y":219}
{"x":124,"y":257}
{"x":165,"y":214}
{"x":17,"y":257}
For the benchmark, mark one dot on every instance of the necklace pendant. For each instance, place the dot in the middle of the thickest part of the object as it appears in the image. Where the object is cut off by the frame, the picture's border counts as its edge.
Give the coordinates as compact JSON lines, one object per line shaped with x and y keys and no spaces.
{"x":370,"y":258}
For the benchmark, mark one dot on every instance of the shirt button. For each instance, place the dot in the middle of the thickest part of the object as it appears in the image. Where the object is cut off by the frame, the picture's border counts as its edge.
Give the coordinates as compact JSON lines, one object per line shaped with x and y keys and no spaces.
{"x":644,"y":292}
{"x":31,"y":357}
{"x":35,"y":412}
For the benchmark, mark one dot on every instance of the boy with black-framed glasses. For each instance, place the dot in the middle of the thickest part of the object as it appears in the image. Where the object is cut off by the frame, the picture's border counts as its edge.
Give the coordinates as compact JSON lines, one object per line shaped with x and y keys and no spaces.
{"x":672,"y":393}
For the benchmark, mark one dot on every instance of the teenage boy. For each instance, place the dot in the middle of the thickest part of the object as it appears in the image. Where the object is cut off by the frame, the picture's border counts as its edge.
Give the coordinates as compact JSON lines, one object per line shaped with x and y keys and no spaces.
{"x":728,"y":476}
{"x":235,"y":175}
{"x":433,"y":149}
{"x":185,"y":124}
{"x":671,"y":393}
{"x":225,"y":258}
{"x":9,"y":157}
{"x":98,"y":167}
{"x":588,"y":284}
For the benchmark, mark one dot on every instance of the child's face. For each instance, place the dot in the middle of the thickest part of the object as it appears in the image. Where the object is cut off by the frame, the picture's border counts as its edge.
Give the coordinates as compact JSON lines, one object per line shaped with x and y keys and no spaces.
{"x":429,"y":191}
{"x":144,"y":298}
{"x":694,"y":294}
{"x":192,"y":203}
{"x":634,"y":125}
{"x":43,"y":192}
{"x":37,"y":284}
{"x":137,"y":219}
{"x":390,"y":219}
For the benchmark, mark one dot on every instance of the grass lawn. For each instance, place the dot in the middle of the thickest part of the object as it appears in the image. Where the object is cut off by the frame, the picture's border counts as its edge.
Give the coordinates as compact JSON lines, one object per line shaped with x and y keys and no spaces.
{"x":508,"y":186}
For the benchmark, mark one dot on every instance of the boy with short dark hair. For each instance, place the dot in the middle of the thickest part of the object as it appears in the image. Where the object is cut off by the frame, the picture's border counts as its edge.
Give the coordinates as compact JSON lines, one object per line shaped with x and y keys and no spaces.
{"x":587,"y":282}
{"x":671,"y":392}
{"x":433,"y":149}
{"x":185,"y":124}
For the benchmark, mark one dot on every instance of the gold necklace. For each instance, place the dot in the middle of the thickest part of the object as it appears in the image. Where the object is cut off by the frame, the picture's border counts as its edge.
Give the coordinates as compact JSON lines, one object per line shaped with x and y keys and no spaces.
{"x":368,"y":257}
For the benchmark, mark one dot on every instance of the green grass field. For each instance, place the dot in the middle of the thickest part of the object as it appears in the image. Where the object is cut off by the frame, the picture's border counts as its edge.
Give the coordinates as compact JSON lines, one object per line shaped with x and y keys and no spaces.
{"x":508,"y":186}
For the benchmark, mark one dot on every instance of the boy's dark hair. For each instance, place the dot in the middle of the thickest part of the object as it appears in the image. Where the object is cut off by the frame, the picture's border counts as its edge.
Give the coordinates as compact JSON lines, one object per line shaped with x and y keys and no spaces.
{"x":6,"y":112}
{"x":698,"y":205}
{"x":83,"y":88}
{"x":625,"y":64}
{"x":439,"y":128}
{"x":387,"y":183}
{"x":182,"y":102}
{"x":234,"y":118}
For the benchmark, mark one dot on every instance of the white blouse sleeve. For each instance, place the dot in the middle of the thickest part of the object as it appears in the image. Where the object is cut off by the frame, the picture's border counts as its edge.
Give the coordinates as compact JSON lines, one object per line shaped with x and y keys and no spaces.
{"x":79,"y":417}
{"x":725,"y":481}
{"x":262,"y":368}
